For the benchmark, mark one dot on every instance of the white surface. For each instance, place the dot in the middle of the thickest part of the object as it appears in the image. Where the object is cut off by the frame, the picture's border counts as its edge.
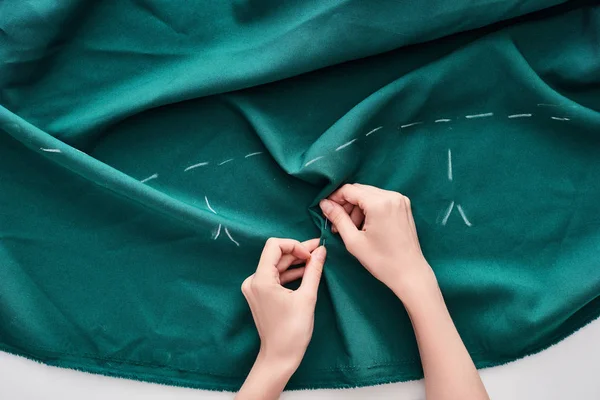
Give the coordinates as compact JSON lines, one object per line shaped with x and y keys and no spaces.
{"x":569,"y":370}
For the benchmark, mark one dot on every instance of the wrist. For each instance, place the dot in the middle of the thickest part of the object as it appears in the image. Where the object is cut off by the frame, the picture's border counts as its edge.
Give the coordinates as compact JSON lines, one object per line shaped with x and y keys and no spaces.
{"x":267,"y":379}
{"x":280,"y":367}
{"x":421,"y":284}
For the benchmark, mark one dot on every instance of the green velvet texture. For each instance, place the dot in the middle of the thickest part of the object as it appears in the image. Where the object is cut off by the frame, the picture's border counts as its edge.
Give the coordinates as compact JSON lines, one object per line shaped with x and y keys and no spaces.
{"x":488,"y":120}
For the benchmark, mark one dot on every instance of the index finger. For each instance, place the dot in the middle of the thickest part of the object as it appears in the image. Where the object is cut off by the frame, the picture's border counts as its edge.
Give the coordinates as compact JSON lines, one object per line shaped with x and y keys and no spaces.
{"x":352,"y":194}
{"x":275,"y":249}
{"x":289,"y":259}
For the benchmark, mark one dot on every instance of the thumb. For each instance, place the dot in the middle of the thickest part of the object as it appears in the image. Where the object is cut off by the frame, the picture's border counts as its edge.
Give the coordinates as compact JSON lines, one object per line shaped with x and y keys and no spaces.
{"x":313,"y":271}
{"x":340,"y":219}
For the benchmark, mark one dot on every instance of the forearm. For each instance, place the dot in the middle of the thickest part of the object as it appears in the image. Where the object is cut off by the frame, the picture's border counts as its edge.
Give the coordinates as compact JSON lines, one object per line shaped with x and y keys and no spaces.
{"x":447,"y":365}
{"x":266,"y":380}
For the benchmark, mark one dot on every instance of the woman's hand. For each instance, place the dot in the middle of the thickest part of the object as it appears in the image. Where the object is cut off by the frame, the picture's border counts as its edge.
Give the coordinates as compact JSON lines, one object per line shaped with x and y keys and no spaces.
{"x":377,"y":228}
{"x":284,"y":318}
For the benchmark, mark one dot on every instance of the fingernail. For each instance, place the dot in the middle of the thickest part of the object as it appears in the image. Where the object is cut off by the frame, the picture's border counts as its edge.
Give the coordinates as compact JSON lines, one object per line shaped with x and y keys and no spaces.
{"x":319,"y":253}
{"x":326,"y":206}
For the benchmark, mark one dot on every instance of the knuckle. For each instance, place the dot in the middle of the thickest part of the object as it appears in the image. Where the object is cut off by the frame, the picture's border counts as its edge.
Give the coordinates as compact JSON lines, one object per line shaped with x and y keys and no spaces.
{"x":383,"y":205}
{"x":272,"y":241}
{"x":395,"y":200}
{"x":398,"y":199}
{"x":246,"y":285}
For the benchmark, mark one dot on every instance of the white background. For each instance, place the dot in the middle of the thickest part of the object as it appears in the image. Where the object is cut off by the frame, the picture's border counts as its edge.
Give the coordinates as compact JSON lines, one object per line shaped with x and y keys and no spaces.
{"x":568,"y":370}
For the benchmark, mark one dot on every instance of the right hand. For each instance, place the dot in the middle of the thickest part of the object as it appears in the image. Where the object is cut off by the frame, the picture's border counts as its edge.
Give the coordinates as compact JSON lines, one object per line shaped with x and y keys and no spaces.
{"x":378,"y":229}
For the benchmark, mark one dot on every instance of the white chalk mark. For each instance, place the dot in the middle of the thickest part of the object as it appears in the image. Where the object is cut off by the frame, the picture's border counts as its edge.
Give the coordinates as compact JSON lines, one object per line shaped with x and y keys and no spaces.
{"x":226,"y":161}
{"x":462,"y":214}
{"x":374,"y":130}
{"x":489,"y":114}
{"x":448,"y":212}
{"x":313,"y":160}
{"x":195,"y":166}
{"x":411,"y":124}
{"x":149,"y":178}
{"x":208,"y":205}
{"x":50,"y":150}
{"x":230,"y":238}
{"x":217,"y":233}
{"x":547,"y":105}
{"x":443,"y":120}
{"x":560,"y":119}
{"x":253,"y":154}
{"x":519,"y":115}
{"x":450,"y":165}
{"x":346,"y":145}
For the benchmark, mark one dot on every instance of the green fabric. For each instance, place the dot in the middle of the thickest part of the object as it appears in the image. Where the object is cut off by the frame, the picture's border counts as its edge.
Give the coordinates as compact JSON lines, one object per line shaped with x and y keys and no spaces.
{"x":489,"y":123}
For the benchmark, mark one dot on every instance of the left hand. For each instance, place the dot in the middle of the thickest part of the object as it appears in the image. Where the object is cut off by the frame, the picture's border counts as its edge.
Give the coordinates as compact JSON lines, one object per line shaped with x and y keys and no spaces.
{"x":285,"y":318}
